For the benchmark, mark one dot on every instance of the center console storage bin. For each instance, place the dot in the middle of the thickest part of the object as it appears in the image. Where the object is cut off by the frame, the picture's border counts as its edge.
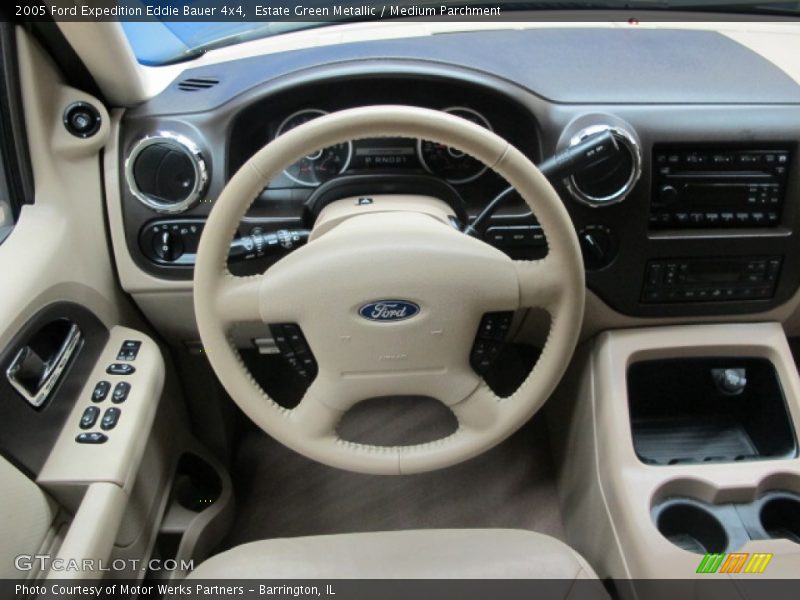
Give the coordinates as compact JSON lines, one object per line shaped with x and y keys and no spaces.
{"x":682,"y":412}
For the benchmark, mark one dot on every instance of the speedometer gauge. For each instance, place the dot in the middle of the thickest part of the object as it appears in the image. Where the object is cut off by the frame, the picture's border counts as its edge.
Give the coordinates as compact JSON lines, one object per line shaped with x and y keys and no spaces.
{"x":322,"y":165}
{"x":450,"y":163}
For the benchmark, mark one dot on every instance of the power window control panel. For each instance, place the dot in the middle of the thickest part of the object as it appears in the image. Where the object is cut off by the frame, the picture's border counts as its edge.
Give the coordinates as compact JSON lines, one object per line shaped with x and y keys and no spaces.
{"x":121,"y":391}
{"x":129,"y":350}
{"x":89,"y":417}
{"x":91,"y":437}
{"x":489,"y":340}
{"x":100,"y":391}
{"x":293,"y":347}
{"x":110,"y":418}
{"x":120,"y":369}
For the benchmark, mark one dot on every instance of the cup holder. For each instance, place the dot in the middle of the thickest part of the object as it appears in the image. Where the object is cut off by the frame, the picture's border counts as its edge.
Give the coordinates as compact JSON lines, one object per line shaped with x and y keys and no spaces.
{"x":691,"y":526}
{"x":197,"y":485}
{"x":780,"y":517}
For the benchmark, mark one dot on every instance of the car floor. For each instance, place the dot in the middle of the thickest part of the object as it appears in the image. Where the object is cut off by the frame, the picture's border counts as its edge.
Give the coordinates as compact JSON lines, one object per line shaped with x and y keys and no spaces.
{"x":279,"y":493}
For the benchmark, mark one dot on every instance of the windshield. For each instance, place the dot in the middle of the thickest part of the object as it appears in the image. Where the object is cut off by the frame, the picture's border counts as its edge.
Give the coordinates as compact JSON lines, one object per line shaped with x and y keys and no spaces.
{"x":185,"y":30}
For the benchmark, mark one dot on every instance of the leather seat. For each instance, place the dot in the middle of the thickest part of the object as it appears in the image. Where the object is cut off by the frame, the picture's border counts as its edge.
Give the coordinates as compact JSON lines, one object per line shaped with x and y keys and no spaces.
{"x":416,"y":554}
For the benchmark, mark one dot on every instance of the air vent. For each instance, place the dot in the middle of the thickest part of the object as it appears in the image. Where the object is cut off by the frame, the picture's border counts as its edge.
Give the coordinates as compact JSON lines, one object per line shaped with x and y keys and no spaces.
{"x":196,"y":84}
{"x":166,"y":172}
{"x":610,"y":180}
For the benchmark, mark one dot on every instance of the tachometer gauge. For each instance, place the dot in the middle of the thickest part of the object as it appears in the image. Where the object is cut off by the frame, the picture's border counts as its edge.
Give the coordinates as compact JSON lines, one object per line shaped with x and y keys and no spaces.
{"x":322,"y":165}
{"x":453,"y":165}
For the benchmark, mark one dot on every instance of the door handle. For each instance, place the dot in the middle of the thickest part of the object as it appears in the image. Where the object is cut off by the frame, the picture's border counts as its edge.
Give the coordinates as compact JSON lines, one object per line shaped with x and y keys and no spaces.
{"x":33,"y":377}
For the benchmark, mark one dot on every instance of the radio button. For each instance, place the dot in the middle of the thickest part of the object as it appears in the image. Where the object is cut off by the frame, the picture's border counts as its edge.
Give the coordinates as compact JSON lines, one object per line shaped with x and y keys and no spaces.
{"x":681,"y":218}
{"x":754,"y":277}
{"x":654,"y":275}
{"x":697,"y":218}
{"x":758,"y":266}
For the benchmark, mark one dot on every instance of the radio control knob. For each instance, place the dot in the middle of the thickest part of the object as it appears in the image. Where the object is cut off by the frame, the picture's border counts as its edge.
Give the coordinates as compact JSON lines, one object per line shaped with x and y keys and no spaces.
{"x":667,"y":194}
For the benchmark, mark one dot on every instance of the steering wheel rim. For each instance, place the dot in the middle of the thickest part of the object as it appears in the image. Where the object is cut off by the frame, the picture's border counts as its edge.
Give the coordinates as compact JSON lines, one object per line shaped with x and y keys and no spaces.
{"x":555,"y":283}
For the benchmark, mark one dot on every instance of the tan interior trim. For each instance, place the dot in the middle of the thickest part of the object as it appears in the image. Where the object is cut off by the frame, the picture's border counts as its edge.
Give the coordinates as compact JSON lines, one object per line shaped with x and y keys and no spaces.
{"x":604,"y":467}
{"x":72,"y":465}
{"x":92,"y":532}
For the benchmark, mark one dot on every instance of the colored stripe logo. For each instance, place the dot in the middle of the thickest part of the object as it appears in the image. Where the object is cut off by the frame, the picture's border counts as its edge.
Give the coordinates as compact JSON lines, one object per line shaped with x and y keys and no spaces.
{"x":735,"y":562}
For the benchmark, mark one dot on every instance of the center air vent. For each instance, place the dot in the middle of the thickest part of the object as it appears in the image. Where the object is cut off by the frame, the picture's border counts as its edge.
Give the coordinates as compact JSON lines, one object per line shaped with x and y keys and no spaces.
{"x":196,"y":84}
{"x":611,"y":179}
{"x":166,"y":172}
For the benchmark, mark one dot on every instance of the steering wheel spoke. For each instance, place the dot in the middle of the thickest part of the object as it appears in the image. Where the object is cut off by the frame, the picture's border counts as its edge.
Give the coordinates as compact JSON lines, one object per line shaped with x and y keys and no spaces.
{"x":541,"y":282}
{"x":479,"y":411}
{"x":314,"y":417}
{"x":239,"y":299}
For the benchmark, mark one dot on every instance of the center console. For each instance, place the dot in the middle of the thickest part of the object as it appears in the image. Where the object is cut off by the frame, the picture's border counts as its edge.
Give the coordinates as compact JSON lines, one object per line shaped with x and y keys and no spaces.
{"x":682,"y":442}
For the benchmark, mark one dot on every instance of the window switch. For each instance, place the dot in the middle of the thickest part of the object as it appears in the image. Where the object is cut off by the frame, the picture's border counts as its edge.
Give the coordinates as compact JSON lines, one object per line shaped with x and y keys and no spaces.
{"x":129,"y":350}
{"x":120,"y":369}
{"x":121,"y":391}
{"x":110,"y":418}
{"x":100,"y":391}
{"x":89,"y":417}
{"x":91,"y":437}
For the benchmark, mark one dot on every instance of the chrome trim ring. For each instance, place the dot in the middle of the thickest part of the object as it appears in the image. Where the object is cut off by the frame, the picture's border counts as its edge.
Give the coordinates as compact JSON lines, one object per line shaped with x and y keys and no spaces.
{"x":198,"y":163}
{"x":316,"y":154}
{"x":450,"y":110}
{"x":628,"y":141}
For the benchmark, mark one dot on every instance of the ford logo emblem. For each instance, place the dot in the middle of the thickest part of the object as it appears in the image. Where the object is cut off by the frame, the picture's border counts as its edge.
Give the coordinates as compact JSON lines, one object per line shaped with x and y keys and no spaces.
{"x":388,"y":310}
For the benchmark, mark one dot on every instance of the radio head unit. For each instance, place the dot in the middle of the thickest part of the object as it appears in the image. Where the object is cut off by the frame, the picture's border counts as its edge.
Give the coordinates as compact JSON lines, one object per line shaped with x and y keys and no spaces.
{"x":716,"y":187}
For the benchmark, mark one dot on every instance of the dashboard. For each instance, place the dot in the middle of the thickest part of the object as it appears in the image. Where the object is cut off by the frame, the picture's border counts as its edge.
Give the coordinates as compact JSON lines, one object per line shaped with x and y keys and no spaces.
{"x":694,"y":214}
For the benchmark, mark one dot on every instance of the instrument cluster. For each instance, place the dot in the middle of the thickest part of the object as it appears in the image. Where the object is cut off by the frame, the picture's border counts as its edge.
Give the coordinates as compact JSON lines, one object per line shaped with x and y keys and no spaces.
{"x":383,"y":154}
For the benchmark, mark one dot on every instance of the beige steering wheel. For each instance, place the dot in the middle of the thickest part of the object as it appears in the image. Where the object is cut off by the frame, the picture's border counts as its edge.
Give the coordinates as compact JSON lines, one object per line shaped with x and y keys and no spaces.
{"x":394,"y":251}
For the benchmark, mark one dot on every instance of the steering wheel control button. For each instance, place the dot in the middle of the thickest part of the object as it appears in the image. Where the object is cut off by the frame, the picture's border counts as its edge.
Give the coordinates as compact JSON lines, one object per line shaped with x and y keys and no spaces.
{"x":121,"y":391}
{"x":129,"y":350}
{"x":120,"y":369}
{"x":91,"y":437}
{"x":89,"y":417}
{"x":292,"y":345}
{"x":110,"y":418}
{"x":495,"y":326}
{"x":100,"y":391}
{"x":492,"y":332}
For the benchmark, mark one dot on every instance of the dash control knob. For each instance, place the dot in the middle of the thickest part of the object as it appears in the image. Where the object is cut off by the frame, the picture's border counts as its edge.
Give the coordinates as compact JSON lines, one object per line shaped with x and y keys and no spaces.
{"x":598,"y":246}
{"x":168,"y":245}
{"x":667,"y":194}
